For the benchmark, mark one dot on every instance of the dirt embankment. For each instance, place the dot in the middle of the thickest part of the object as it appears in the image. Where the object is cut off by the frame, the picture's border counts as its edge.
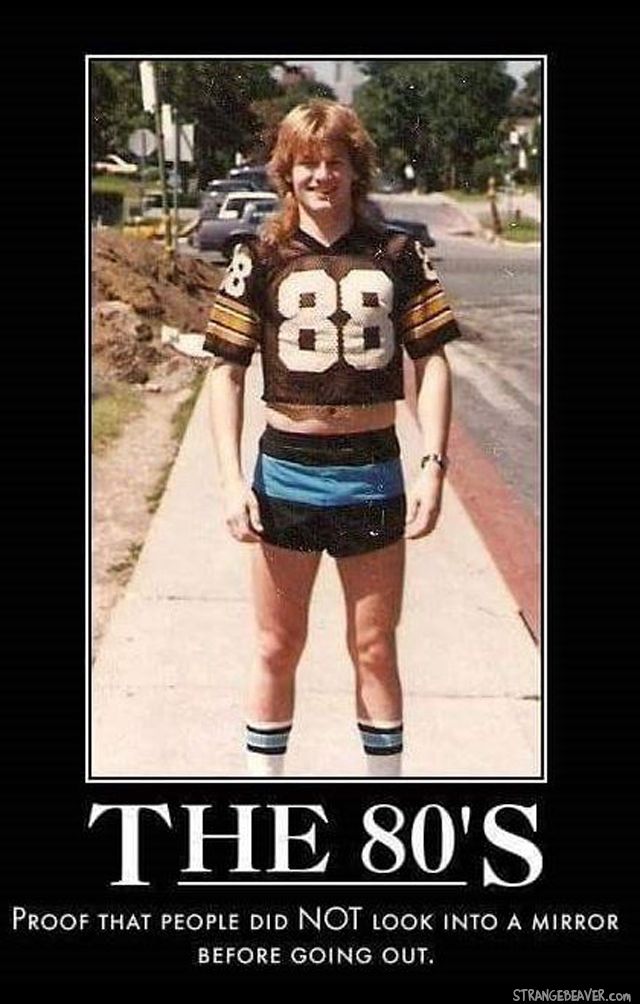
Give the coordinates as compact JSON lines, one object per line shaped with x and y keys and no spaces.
{"x":135,"y":290}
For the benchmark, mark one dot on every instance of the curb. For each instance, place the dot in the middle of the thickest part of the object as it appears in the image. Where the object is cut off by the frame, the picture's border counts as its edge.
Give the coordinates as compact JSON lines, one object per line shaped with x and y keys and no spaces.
{"x":509,"y":531}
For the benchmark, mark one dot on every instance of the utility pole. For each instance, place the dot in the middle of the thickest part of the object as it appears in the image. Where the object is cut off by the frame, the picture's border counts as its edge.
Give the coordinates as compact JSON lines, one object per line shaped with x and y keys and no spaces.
{"x":514,"y":145}
{"x":495,"y":215}
{"x":168,"y":243}
{"x":176,"y":177}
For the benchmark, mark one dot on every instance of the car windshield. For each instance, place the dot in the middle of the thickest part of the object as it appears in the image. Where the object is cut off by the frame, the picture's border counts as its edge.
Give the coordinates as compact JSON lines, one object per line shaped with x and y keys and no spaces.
{"x":226,"y":186}
{"x":261,"y":214}
{"x":235,"y":205}
{"x":239,"y":205}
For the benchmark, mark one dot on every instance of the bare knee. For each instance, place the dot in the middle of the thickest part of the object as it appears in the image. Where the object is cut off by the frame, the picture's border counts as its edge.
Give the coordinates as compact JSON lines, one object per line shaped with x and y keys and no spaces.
{"x":279,"y":649}
{"x":373,"y":651}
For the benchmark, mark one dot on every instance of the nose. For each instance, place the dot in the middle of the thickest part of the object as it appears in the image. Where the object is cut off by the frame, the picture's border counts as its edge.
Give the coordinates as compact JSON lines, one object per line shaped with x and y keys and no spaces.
{"x":322,"y":170}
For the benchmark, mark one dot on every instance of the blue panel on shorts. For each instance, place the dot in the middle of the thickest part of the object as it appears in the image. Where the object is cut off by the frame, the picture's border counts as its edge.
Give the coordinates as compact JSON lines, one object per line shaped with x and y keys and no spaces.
{"x":328,"y":486}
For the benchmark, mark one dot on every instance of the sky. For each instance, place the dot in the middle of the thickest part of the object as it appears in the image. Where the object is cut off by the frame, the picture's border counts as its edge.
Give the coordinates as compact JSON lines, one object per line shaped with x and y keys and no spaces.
{"x":325,"y":68}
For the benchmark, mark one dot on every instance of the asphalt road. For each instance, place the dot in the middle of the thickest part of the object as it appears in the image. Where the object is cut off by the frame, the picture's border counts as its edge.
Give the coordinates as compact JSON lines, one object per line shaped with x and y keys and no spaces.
{"x":495,"y":292}
{"x":497,"y":366}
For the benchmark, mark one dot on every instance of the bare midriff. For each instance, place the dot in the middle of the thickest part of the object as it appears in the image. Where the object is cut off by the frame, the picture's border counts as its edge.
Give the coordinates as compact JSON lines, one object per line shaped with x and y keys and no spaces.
{"x":330,"y":419}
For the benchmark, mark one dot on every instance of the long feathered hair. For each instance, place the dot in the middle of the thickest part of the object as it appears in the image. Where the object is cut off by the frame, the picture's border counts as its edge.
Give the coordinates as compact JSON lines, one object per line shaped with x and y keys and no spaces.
{"x":303,"y":131}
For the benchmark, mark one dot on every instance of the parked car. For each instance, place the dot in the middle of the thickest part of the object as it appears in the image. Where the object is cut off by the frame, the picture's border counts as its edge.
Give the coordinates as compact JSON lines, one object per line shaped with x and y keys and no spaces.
{"x":113,"y":164}
{"x":217,"y":190}
{"x":152,"y":205}
{"x":230,"y":185}
{"x":233,"y":206}
{"x":256,"y":175}
{"x":215,"y":233}
{"x":418,"y":230}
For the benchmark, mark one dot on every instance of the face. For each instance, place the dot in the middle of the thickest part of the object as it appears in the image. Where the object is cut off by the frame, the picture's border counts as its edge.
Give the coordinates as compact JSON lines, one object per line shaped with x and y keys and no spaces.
{"x":322,"y":180}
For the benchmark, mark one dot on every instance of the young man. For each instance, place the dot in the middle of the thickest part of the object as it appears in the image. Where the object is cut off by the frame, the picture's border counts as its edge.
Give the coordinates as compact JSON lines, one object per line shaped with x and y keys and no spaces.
{"x":331,"y":299}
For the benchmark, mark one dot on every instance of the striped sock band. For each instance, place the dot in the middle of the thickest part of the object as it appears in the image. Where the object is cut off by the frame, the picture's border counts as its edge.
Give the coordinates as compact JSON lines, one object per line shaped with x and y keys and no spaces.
{"x":382,"y":739}
{"x":269,"y":738}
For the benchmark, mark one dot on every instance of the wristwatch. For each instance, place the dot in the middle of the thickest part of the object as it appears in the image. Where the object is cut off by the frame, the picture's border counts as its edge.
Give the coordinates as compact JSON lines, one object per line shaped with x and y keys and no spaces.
{"x":436,"y":458}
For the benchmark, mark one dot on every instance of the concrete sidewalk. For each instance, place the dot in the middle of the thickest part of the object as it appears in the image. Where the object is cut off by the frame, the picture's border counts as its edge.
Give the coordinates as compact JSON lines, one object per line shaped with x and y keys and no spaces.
{"x":168,"y":682}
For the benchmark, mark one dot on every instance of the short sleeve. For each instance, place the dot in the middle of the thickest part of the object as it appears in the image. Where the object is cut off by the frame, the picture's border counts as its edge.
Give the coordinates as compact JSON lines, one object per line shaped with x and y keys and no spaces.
{"x":234,"y":326}
{"x":425,"y":318}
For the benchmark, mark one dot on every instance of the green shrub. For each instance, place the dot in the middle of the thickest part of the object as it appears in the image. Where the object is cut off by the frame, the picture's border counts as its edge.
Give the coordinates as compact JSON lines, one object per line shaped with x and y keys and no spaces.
{"x":189,"y":200}
{"x":107,"y":206}
{"x":482,"y":170}
{"x":110,"y":183}
{"x":518,"y":228}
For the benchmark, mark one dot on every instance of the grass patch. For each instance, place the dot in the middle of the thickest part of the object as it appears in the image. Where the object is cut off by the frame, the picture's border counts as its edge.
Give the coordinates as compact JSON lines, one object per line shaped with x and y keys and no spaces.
{"x":460,"y":195}
{"x":182,"y":414}
{"x":111,"y":413}
{"x":154,"y":496}
{"x":520,"y":230}
{"x":179,"y":422}
{"x":127,"y":564}
{"x":127,"y":187}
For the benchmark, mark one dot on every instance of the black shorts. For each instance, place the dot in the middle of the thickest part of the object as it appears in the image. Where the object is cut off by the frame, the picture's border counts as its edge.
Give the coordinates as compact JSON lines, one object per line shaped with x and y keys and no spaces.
{"x":343,"y":494}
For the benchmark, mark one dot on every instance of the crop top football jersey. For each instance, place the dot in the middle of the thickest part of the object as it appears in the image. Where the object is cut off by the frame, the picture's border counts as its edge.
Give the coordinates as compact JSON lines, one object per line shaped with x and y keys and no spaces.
{"x":331,"y":322}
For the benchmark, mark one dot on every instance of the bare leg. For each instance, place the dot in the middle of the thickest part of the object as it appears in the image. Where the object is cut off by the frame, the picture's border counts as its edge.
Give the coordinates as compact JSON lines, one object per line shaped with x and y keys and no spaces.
{"x":373,"y":585}
{"x":282,"y":584}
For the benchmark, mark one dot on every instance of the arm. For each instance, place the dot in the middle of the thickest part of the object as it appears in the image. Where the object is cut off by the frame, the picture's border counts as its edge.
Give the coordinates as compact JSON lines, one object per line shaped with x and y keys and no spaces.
{"x":433,"y":378}
{"x":226,"y":404}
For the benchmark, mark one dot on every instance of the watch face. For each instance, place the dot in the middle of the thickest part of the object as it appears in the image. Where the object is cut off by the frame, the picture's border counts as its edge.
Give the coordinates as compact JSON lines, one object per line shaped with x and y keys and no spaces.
{"x":436,"y":457}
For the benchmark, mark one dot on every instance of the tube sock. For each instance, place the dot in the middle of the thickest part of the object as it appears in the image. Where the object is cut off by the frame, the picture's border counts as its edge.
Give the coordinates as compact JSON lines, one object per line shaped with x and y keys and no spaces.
{"x":382,"y":743}
{"x":266,"y":748}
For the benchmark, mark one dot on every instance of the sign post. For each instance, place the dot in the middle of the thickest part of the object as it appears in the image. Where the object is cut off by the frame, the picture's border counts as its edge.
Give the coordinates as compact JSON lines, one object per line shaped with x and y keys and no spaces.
{"x":176,"y":172}
{"x":142,"y":142}
{"x":151,"y":104}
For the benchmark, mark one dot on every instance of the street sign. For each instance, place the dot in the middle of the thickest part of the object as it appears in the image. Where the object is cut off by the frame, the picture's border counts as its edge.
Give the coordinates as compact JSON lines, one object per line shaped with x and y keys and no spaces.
{"x":148,"y":83}
{"x":142,"y":142}
{"x":186,"y":143}
{"x":166,"y":119}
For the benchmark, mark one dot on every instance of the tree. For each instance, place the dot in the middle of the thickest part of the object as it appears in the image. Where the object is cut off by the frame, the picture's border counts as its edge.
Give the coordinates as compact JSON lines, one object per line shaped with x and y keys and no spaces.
{"x":443,"y":115}
{"x":116,"y":105}
{"x":271,"y":111}
{"x":218,"y":95}
{"x":215,"y":94}
{"x":527,"y":102}
{"x":533,"y":84}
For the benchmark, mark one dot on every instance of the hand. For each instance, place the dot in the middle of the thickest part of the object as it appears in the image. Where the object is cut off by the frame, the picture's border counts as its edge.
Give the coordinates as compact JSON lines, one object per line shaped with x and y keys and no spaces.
{"x":423,"y":503}
{"x":242,"y":513}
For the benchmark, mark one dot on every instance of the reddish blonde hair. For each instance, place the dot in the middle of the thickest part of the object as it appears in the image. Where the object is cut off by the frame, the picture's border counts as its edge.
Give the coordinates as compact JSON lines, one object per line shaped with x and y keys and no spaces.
{"x":303,"y":131}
